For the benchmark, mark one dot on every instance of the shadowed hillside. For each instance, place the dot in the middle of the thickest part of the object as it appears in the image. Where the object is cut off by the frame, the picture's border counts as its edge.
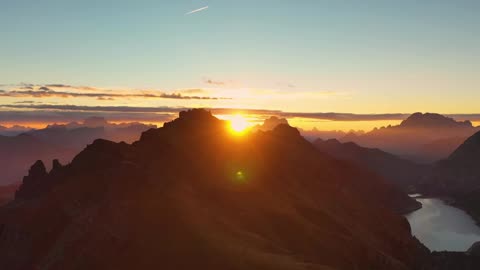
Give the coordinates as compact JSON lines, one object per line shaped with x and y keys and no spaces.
{"x":458,"y":176}
{"x":192,"y":196}
{"x":401,"y":172}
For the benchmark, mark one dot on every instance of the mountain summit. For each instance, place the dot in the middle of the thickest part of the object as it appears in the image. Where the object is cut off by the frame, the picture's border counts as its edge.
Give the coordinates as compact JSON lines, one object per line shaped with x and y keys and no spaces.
{"x":190,"y":195}
{"x":433,"y":120}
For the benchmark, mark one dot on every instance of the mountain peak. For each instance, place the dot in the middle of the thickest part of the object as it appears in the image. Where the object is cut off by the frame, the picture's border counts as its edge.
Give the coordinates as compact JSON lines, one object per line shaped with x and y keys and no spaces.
{"x":433,"y":120}
{"x":193,"y":117}
{"x":38,"y":169}
{"x":286,"y":130}
{"x":274,"y":121}
{"x":33,"y":181}
{"x":271,"y":123}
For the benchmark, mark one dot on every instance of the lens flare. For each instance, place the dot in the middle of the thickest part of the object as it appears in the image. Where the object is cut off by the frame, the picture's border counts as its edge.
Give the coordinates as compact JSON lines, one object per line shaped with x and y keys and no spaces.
{"x":240,"y":176}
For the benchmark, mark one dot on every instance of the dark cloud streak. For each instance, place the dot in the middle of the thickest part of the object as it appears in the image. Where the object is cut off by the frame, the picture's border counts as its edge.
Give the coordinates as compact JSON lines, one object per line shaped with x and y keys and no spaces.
{"x":329,"y":116}
{"x":45,"y":92}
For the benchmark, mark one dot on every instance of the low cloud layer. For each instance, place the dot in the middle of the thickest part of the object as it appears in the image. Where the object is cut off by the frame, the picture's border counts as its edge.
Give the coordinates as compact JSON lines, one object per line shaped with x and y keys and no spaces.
{"x":48,"y":113}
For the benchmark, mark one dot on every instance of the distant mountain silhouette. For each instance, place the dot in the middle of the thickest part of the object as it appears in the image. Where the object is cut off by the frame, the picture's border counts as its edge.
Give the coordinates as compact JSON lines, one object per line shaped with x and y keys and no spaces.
{"x":58,"y":142}
{"x":270,"y":123}
{"x":80,"y":134}
{"x":401,"y":172}
{"x":315,"y":133}
{"x":458,"y":177}
{"x":434,"y":121}
{"x":311,"y":135}
{"x":421,"y":137}
{"x":191,"y":196}
{"x":19,"y":152}
{"x":13,"y":131}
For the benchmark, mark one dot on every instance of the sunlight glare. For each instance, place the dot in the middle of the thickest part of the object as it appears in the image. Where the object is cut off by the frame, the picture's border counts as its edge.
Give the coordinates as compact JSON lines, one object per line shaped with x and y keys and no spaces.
{"x":238,"y":124}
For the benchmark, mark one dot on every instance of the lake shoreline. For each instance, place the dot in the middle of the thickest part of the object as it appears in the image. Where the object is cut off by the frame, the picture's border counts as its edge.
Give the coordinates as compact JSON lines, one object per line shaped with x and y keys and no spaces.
{"x":442,"y":226}
{"x":449,"y":200}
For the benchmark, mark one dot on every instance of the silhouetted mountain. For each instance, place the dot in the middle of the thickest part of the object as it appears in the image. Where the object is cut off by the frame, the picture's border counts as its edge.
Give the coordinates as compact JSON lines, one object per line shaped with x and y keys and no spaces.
{"x":418,"y":138}
{"x":458,"y":176}
{"x":433,"y":121}
{"x":310,"y":135}
{"x":58,"y":142}
{"x":315,"y":133}
{"x":19,"y":152}
{"x":192,"y":196}
{"x":80,"y":134}
{"x":401,"y":172}
{"x":270,"y":123}
{"x":13,"y":131}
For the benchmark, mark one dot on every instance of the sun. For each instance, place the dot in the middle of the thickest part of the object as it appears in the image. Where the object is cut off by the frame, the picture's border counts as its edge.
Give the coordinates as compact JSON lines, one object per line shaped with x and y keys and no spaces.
{"x":238,"y":124}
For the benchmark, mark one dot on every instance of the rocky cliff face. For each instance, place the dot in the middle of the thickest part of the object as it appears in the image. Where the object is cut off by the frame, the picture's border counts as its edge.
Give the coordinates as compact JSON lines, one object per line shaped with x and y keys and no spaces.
{"x":190,"y":195}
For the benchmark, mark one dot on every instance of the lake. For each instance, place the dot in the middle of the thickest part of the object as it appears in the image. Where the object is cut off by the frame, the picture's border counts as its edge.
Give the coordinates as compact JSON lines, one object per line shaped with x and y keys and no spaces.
{"x":442,"y":227}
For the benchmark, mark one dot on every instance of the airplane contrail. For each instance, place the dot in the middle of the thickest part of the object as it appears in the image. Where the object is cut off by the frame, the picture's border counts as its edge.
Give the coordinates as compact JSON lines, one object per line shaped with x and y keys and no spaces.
{"x":196,"y":10}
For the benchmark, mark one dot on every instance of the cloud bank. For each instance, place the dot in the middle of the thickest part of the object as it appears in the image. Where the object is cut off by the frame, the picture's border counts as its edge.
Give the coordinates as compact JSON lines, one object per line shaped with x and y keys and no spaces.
{"x":69,"y":91}
{"x":48,"y":113}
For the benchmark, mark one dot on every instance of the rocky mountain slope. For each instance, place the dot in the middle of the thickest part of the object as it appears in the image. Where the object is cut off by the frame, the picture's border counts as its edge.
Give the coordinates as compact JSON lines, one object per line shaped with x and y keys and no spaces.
{"x":401,"y":172}
{"x":190,"y":195}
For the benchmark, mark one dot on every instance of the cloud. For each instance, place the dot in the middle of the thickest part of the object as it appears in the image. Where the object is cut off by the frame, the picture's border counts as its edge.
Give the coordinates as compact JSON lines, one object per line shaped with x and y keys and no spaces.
{"x":68,"y":86}
{"x":212,"y":82}
{"x":24,"y":113}
{"x":197,"y":10}
{"x":46,"y":92}
{"x":193,"y":91}
{"x":44,"y":88}
{"x":332,"y":116}
{"x":59,"y":85}
{"x":25,"y":102}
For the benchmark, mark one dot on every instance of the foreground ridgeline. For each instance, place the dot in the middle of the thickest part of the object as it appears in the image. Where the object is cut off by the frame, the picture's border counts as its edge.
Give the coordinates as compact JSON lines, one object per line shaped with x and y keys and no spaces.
{"x":191,"y":195}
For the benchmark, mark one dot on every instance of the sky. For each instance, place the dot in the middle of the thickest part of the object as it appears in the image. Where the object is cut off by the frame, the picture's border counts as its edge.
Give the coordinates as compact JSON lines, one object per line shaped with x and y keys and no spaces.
{"x":360,"y":57}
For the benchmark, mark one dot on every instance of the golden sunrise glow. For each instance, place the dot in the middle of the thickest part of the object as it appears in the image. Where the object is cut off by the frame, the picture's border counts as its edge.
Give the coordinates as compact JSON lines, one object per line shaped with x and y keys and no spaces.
{"x":238,"y":124}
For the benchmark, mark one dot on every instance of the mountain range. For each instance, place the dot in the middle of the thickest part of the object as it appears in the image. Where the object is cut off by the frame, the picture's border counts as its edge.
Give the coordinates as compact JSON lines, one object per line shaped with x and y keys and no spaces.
{"x":58,"y":142}
{"x":421,"y":137}
{"x":190,"y":195}
{"x":13,"y":131}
